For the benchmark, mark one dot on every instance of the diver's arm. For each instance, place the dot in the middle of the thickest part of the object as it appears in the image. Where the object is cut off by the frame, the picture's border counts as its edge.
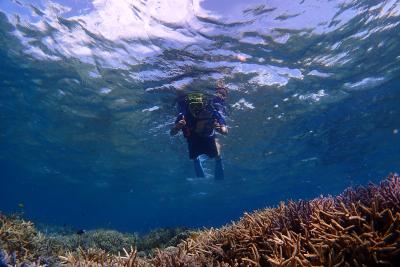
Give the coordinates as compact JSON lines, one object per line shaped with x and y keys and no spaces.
{"x":219,"y":123}
{"x":177,"y":127}
{"x":221,"y":128}
{"x":224,"y":130}
{"x":174,"y":130}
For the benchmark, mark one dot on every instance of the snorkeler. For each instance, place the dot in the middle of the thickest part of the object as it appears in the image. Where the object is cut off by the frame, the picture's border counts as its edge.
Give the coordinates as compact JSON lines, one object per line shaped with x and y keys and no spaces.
{"x":199,"y":119}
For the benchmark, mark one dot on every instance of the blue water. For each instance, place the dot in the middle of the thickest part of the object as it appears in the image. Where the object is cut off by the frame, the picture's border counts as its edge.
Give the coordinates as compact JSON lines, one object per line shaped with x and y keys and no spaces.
{"x":87,"y":97}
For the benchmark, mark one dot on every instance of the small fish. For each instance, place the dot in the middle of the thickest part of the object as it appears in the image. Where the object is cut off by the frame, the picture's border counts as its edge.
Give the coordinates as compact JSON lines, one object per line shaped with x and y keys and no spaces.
{"x":80,"y":231}
{"x":21,"y":205}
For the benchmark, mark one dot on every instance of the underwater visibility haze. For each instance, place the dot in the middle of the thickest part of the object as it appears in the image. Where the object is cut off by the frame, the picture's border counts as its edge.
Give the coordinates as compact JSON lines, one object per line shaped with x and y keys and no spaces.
{"x":88,"y":95}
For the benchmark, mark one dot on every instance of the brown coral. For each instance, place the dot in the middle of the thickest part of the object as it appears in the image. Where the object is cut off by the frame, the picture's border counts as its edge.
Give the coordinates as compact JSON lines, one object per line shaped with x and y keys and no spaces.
{"x":360,"y":227}
{"x":98,"y":257}
{"x":20,"y":237}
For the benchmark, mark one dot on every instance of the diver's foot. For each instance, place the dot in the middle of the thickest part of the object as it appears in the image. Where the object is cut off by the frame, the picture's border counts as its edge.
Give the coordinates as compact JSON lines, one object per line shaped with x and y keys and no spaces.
{"x":198,"y":167}
{"x":219,"y":169}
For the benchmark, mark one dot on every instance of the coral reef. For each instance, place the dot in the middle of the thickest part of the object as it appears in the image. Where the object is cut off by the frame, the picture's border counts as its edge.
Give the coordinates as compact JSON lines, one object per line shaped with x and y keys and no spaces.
{"x":360,"y":227}
{"x":103,"y":239}
{"x":21,"y":243}
{"x":20,"y":239}
{"x":162,"y":238}
{"x":98,"y":257}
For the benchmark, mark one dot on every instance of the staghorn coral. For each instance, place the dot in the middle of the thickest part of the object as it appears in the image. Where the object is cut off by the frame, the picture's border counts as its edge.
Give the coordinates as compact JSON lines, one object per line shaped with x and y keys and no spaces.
{"x":107,"y":240}
{"x":360,"y":227}
{"x":20,"y":238}
{"x":162,"y":238}
{"x":23,"y":244}
{"x":95,"y":256}
{"x":98,"y":257}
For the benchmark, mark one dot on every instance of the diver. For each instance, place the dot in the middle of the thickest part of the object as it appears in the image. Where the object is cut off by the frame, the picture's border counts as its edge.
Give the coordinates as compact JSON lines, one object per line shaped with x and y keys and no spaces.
{"x":199,"y":118}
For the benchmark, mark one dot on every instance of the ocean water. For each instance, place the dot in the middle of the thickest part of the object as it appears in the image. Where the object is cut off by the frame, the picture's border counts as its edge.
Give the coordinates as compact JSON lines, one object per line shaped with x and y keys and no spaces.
{"x":88,"y":95}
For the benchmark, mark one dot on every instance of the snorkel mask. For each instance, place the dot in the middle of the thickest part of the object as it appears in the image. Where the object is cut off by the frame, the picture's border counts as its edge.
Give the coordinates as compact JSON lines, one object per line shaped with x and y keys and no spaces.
{"x":195,"y":103}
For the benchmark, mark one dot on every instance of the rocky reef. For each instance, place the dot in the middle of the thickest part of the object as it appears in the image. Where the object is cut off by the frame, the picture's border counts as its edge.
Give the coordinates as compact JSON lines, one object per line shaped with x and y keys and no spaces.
{"x":360,"y":227}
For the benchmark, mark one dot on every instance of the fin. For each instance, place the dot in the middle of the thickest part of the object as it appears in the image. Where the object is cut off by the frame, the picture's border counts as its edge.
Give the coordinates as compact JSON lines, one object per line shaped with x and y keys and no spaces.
{"x":219,"y":169}
{"x":198,"y":167}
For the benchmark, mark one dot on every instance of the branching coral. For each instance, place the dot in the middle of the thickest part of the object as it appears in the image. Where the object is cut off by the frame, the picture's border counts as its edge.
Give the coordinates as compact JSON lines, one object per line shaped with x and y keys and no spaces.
{"x":162,"y":238}
{"x":360,"y":227}
{"x":19,"y":237}
{"x":22,"y":244}
{"x":98,"y":257}
{"x":107,"y":240}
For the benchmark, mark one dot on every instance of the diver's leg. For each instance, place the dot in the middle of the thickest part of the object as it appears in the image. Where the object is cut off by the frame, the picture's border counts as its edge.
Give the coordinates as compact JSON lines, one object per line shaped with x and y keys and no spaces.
{"x":195,"y":154}
{"x":198,"y":167}
{"x":219,"y":167}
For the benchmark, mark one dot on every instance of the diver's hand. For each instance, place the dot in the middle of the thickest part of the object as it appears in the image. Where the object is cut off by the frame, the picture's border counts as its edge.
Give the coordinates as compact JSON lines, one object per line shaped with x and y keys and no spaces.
{"x":178,"y":126}
{"x":181,"y":124}
{"x":222,"y":129}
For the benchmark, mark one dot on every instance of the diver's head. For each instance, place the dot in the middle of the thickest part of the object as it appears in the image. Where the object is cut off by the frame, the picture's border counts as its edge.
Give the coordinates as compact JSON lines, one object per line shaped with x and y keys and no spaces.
{"x":195,"y":103}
